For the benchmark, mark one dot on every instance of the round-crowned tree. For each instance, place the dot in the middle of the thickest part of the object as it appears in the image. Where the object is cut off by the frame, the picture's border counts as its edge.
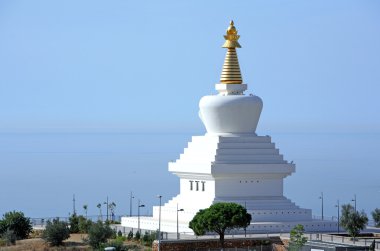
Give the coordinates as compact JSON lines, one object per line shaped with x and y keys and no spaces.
{"x":17,"y":223}
{"x":98,"y":234}
{"x":56,"y":232}
{"x":220,"y":217}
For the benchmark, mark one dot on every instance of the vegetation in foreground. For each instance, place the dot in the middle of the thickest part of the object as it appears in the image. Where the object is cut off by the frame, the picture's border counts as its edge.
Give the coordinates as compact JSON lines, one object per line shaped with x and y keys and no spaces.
{"x":352,"y":220}
{"x":297,"y":239}
{"x":219,"y":218}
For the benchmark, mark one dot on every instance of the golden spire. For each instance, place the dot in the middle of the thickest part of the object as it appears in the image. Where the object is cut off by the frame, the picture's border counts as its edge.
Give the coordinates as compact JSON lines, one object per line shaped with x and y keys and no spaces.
{"x":231,"y":69}
{"x":232,"y":37}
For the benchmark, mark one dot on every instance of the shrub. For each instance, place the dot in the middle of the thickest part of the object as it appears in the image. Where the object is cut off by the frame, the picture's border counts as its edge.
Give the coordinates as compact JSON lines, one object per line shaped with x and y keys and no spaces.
{"x":9,"y":237}
{"x":74,"y":223}
{"x":56,"y":232}
{"x":130,"y":235}
{"x":117,"y":244}
{"x":137,"y":235}
{"x":148,"y":238}
{"x":84,"y":224}
{"x":18,"y":223}
{"x":98,"y":234}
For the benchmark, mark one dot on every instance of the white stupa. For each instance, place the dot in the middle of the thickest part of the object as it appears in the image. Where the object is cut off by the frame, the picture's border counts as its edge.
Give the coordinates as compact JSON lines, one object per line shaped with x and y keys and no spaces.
{"x":231,"y":163}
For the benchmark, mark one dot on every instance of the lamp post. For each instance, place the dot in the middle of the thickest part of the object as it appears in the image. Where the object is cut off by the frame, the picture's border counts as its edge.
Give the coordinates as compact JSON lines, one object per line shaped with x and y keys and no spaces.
{"x":106,"y":203}
{"x":159,"y":223}
{"x":354,"y":200}
{"x":245,"y":229}
{"x":178,"y":210}
{"x":138,"y":216}
{"x":130,"y":204}
{"x":337,"y":206}
{"x":321,"y":198}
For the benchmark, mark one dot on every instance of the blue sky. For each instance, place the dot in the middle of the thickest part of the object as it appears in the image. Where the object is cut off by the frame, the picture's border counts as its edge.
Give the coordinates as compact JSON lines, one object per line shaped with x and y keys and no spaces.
{"x":144,"y":65}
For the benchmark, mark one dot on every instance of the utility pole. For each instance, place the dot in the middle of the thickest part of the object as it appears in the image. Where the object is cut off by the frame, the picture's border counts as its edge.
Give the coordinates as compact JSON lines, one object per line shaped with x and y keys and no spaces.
{"x":337,"y":206}
{"x":74,"y":212}
{"x":106,"y":203}
{"x":130,"y":204}
{"x":354,"y":200}
{"x":321,"y":197}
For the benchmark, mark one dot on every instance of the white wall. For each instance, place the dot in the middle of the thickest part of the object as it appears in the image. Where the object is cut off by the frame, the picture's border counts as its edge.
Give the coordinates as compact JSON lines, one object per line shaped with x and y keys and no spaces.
{"x":249,"y":187}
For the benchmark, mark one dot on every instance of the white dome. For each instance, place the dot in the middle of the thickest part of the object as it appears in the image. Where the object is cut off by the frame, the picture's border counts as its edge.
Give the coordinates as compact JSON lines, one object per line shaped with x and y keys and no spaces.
{"x":234,"y":114}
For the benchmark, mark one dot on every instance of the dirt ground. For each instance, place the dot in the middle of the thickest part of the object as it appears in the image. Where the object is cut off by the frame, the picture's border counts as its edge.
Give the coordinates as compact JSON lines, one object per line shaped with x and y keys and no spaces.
{"x":74,"y":243}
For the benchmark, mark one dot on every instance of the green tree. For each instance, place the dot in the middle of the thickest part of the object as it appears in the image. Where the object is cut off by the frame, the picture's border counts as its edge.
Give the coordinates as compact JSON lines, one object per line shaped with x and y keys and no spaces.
{"x":297,"y":240}
{"x":85,"y":207}
{"x":112,"y":207}
{"x":56,"y":232}
{"x":74,"y":223}
{"x":219,"y":218}
{"x":98,"y":234}
{"x":100,"y":211}
{"x":353,"y":221}
{"x":376,"y":217}
{"x":16,"y":222}
{"x":84,"y":224}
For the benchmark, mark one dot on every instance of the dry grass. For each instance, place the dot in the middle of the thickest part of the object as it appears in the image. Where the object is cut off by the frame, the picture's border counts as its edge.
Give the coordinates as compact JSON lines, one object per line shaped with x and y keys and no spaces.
{"x":74,"y":243}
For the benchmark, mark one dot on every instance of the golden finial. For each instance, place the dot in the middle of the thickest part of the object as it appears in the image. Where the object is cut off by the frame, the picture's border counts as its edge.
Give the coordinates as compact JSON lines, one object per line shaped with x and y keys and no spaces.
{"x":231,"y":37}
{"x":231,"y":70}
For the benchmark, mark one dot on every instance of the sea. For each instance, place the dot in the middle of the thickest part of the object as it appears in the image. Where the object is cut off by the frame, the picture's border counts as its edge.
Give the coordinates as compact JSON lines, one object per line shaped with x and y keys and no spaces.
{"x":53,"y":174}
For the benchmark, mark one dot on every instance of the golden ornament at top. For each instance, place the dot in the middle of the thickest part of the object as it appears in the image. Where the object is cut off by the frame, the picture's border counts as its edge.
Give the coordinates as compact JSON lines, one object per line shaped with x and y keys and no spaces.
{"x":231,"y":37}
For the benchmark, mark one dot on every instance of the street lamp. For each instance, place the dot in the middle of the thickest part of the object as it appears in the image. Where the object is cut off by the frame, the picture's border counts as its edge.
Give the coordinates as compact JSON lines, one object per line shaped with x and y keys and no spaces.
{"x":159,"y":223}
{"x":138,"y":216}
{"x":130,"y":204}
{"x":245,"y":229}
{"x":321,"y":198}
{"x":337,"y":206}
{"x":354,"y":199}
{"x":178,"y":210}
{"x":106,"y":203}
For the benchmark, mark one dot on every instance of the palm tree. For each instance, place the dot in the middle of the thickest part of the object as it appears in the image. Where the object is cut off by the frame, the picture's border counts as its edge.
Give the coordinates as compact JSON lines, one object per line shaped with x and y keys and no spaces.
{"x":112,"y":207}
{"x":100,"y":211}
{"x":85,"y":209}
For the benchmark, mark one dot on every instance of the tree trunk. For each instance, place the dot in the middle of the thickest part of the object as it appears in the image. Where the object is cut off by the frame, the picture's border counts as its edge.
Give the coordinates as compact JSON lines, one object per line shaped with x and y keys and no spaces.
{"x":221,"y":239}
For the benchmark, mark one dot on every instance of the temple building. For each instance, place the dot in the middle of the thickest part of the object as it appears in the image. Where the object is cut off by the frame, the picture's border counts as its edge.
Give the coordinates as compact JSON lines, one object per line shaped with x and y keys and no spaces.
{"x":231,"y":163}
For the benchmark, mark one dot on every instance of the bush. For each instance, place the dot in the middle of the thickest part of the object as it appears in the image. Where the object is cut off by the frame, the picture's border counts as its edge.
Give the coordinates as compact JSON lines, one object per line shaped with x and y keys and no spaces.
{"x":2,"y":242}
{"x":148,"y":238}
{"x":84,"y":224}
{"x":137,"y":236}
{"x":98,"y":234}
{"x":130,"y":235}
{"x":74,"y":223}
{"x":9,"y":237}
{"x":56,"y":232}
{"x":122,"y":238}
{"x":16,"y":222}
{"x":117,"y":244}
